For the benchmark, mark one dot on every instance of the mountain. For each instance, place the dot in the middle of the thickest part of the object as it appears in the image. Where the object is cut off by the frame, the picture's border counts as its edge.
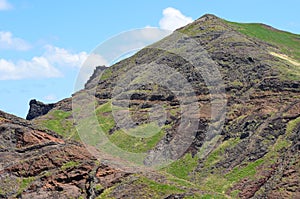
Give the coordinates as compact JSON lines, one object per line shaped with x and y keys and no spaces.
{"x":222,"y":99}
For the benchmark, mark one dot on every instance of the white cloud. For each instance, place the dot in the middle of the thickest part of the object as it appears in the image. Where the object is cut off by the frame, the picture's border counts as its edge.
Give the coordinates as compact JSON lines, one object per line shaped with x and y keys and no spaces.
{"x":63,"y":57}
{"x":8,"y":41}
{"x":55,"y":59}
{"x":173,"y":19}
{"x":37,"y":67}
{"x":4,"y":5}
{"x":45,"y":66}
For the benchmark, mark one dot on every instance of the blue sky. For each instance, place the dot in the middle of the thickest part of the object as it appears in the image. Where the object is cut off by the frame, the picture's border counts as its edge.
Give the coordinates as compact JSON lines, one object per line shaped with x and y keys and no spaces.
{"x":43,"y":43}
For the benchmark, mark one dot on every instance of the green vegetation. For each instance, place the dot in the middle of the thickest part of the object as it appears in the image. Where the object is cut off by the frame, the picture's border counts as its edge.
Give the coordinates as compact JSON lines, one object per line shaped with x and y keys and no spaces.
{"x":248,"y":171}
{"x":216,"y":155}
{"x":292,"y":125}
{"x":46,"y":173}
{"x":147,"y":187}
{"x":105,"y":194}
{"x":281,"y":143}
{"x":288,"y":72}
{"x":215,"y":183}
{"x":106,"y":74}
{"x":157,"y":189}
{"x":90,"y":126}
{"x":68,"y":165}
{"x":235,"y":193}
{"x":288,"y":43}
{"x":174,"y":111}
{"x":137,"y":140}
{"x":182,"y":167}
{"x":59,"y":122}
{"x":210,"y":196}
{"x":274,"y":151}
{"x":237,"y":83}
{"x":144,"y":130}
{"x":206,"y":196}
{"x":104,"y":108}
{"x":178,"y":181}
{"x":98,"y":187}
{"x":24,"y":184}
{"x":105,"y":117}
{"x":220,"y":183}
{"x":138,"y":144}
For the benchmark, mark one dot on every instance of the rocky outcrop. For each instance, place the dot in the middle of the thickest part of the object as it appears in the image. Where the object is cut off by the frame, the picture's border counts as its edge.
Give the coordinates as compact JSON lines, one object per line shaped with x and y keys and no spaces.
{"x":40,"y":164}
{"x":94,"y":79}
{"x":38,"y":108}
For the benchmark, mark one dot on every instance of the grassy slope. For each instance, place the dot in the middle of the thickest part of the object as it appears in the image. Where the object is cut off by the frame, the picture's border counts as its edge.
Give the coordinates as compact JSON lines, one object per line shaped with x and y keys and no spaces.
{"x":60,"y":122}
{"x":288,"y":44}
{"x":129,"y":142}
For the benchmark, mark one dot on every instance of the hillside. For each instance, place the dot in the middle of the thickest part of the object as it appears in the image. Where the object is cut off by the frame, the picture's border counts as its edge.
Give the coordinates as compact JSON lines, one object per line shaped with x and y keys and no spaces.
{"x":217,"y":99}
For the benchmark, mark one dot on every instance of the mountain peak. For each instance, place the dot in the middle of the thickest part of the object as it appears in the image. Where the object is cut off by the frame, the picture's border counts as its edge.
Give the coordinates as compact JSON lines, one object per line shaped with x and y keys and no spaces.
{"x":208,"y":17}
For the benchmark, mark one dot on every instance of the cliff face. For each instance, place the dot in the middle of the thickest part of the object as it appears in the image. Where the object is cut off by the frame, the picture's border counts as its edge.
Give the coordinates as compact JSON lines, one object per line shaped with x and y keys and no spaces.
{"x":255,"y":127}
{"x":38,"y":109}
{"x":92,"y":82}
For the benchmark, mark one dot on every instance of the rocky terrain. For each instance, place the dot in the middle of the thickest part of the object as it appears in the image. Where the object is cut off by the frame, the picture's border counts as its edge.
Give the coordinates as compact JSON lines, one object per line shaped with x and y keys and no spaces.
{"x":40,"y":164}
{"x":245,"y":139}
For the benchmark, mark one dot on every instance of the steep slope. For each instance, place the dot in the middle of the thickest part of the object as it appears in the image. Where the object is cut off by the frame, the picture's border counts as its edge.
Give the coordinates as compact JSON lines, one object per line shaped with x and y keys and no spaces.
{"x":40,"y":164}
{"x":257,"y":152}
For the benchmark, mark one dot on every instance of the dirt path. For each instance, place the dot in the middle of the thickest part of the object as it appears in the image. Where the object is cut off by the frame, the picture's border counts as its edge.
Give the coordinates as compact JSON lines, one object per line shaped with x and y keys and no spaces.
{"x":285,"y":57}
